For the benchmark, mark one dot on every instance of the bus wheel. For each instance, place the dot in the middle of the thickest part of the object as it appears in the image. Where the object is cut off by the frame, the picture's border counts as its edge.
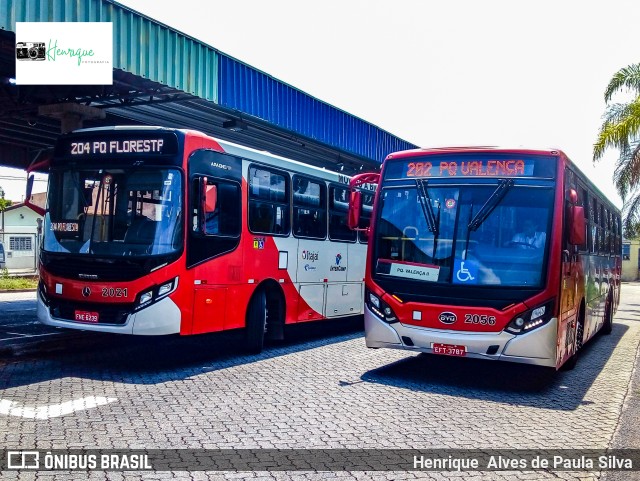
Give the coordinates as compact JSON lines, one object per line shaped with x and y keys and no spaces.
{"x":256,"y":322}
{"x":275,"y":315}
{"x":608,"y":318}
{"x":573,"y":360}
{"x":579,"y":335}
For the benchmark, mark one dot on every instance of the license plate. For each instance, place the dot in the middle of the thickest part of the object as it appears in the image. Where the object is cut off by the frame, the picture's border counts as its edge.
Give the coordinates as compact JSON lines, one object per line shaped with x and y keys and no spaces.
{"x":86,"y":316}
{"x":449,"y":349}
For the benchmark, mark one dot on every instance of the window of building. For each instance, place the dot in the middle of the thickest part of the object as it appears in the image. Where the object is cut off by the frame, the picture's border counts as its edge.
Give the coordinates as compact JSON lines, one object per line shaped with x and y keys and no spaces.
{"x":22,"y":243}
{"x":626,"y":252}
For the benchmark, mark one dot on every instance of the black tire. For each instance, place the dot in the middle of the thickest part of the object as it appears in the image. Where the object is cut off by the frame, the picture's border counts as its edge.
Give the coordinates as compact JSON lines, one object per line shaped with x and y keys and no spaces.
{"x":573,"y":360}
{"x":256,"y":322}
{"x":607,"y":327}
{"x":571,"y":363}
{"x":579,"y":335}
{"x":275,"y":316}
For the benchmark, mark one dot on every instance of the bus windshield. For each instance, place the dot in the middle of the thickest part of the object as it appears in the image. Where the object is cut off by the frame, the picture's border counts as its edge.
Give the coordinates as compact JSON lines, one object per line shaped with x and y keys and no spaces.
{"x":476,"y":235}
{"x":114,"y":212}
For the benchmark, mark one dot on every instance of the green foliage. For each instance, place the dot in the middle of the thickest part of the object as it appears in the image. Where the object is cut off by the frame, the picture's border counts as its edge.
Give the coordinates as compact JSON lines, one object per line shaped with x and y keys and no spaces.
{"x":8,"y":283}
{"x":628,"y":77}
{"x":621,"y":130}
{"x":4,"y":203}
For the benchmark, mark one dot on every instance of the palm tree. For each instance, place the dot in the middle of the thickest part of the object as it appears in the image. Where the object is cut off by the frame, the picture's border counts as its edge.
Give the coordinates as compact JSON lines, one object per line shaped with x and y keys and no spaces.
{"x":621,"y":130}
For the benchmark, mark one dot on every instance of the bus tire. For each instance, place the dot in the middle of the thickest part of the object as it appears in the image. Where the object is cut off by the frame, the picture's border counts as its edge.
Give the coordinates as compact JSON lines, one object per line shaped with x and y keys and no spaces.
{"x":607,"y":327}
{"x":276,"y":308}
{"x":580,"y":334}
{"x":256,"y":322}
{"x":573,"y":360}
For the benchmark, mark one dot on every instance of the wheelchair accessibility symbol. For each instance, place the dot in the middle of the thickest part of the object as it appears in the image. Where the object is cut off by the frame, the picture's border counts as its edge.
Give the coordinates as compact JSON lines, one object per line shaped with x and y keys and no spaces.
{"x":466,"y":272}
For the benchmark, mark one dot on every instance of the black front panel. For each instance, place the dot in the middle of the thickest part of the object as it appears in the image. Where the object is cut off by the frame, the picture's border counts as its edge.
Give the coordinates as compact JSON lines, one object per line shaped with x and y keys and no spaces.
{"x":95,"y":268}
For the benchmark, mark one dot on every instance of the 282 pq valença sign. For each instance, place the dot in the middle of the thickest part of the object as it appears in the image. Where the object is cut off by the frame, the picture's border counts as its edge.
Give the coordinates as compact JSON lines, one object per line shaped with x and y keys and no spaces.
{"x":64,"y":53}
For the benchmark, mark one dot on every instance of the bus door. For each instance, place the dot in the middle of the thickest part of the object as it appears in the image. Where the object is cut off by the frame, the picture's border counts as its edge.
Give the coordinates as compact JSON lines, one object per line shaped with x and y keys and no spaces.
{"x":213,"y":240}
{"x":570,"y":275}
{"x":313,"y":270}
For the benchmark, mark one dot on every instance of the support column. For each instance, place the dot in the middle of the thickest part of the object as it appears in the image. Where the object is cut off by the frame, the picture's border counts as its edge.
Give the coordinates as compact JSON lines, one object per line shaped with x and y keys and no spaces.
{"x":70,"y":115}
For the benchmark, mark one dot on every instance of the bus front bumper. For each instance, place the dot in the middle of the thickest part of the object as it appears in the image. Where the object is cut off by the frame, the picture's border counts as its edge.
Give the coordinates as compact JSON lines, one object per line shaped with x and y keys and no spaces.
{"x":537,"y":347}
{"x":161,"y":318}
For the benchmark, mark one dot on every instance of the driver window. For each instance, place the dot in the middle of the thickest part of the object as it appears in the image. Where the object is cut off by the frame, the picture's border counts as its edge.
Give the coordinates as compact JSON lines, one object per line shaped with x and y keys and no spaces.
{"x":220,"y":208}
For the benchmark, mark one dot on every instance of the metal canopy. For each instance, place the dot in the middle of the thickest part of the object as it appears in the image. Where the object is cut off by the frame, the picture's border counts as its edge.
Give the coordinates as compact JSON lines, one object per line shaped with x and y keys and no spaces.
{"x":163,"y":77}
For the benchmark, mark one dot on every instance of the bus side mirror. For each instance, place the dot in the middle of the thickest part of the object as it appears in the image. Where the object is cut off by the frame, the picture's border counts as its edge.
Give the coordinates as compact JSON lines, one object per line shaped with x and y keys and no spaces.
{"x":577,"y":232}
{"x":355,"y":203}
{"x":210,"y":198}
{"x":27,"y":200}
{"x":30,"y":180}
{"x":208,"y":203}
{"x":41,"y":163}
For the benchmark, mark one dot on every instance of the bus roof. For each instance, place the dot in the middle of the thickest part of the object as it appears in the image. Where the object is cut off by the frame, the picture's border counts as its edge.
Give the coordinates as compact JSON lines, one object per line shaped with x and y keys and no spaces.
{"x":235,"y":149}
{"x":473,"y":149}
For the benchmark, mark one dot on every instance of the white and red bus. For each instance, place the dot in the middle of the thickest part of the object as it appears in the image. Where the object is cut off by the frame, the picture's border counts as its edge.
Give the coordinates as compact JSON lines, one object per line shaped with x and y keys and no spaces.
{"x":489,"y":253}
{"x":155,"y":231}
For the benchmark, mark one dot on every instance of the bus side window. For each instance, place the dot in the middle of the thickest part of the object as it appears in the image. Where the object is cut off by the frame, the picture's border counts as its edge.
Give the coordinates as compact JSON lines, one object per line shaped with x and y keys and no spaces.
{"x":268,"y":201}
{"x":338,"y":206}
{"x":309,"y":208}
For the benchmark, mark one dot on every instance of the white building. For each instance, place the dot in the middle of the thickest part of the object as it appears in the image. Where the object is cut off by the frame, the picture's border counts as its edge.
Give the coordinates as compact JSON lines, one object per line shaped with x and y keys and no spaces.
{"x":19,"y":234}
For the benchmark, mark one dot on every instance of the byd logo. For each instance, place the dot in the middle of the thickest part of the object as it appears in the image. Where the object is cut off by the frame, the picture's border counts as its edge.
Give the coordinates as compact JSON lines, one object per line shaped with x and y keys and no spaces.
{"x":447,"y":317}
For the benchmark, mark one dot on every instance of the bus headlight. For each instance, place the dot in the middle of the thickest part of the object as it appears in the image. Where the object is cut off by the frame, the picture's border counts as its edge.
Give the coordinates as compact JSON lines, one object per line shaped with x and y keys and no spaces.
{"x":146,"y":297}
{"x":156,"y":293}
{"x":380,"y":308}
{"x":531,"y":319}
{"x":165,"y":289}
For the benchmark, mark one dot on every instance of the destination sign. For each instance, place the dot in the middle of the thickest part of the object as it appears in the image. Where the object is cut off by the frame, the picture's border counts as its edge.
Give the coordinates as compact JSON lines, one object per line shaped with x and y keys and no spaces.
{"x":129,"y":146}
{"x":471,"y":166}
{"x":118,"y":144}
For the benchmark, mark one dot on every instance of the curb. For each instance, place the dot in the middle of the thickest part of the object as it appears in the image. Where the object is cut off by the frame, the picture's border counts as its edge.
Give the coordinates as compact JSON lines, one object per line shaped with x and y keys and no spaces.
{"x":5,"y":291}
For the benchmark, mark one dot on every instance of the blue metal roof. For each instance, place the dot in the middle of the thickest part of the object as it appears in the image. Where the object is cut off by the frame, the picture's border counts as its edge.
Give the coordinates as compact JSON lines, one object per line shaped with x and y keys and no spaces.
{"x":255,"y":93}
{"x":156,"y":52}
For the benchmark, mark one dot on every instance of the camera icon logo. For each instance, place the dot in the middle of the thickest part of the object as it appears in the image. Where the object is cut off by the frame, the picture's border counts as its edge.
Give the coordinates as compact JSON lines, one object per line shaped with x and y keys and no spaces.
{"x":30,"y":51}
{"x":23,"y":459}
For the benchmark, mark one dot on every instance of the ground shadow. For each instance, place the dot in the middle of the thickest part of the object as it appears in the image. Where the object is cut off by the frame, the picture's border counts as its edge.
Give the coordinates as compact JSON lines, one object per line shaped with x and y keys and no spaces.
{"x":501,"y":382}
{"x":152,"y":360}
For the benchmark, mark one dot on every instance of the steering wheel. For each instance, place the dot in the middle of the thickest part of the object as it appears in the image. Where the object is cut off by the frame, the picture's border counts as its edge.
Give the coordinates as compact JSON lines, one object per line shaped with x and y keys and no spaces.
{"x":517,"y":243}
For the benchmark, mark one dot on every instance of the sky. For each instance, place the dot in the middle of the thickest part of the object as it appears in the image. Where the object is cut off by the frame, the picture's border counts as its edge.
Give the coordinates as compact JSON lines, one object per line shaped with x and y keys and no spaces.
{"x":461,"y":72}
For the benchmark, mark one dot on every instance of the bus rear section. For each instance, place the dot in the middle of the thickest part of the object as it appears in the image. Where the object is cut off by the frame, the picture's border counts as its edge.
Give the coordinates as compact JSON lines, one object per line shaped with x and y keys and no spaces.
{"x":467,"y":254}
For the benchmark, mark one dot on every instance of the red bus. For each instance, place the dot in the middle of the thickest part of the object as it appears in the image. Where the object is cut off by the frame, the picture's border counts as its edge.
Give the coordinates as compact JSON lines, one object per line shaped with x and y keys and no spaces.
{"x":488,"y":253}
{"x":153,"y":231}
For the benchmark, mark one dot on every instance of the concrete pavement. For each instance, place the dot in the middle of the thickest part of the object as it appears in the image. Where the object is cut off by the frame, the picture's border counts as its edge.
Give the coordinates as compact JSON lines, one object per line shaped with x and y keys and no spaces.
{"x":320,"y":389}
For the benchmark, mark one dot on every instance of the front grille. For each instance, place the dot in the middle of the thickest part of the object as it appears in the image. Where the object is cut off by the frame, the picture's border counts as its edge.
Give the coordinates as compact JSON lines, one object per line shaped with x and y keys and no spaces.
{"x":72,"y":268}
{"x":108,"y":313}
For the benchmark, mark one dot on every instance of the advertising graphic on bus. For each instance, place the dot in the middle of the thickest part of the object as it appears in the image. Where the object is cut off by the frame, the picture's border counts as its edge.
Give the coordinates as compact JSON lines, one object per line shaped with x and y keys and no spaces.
{"x":488,"y":253}
{"x":155,"y":231}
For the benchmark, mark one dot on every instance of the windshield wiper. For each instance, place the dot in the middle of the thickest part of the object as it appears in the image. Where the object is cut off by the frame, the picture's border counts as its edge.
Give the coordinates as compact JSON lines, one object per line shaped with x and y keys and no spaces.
{"x":492,"y":202}
{"x":433,"y":221}
{"x":427,"y":208}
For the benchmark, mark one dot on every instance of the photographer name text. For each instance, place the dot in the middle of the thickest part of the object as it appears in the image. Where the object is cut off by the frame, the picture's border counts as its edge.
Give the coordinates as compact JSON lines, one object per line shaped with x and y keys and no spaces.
{"x":516,"y":463}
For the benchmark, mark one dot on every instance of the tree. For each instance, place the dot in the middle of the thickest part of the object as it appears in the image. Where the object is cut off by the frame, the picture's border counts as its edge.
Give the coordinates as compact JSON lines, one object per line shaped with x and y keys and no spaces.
{"x":620,"y":129}
{"x":4,"y":203}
